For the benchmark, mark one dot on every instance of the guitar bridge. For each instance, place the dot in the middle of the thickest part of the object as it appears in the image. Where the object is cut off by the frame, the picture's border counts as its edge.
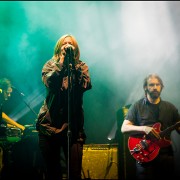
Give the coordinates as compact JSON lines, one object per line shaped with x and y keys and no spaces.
{"x":135,"y":150}
{"x":144,"y":144}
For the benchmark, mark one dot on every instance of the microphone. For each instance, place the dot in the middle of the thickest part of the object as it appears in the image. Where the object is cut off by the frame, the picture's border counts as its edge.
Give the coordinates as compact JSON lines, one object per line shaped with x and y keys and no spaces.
{"x":69,"y":58}
{"x":17,"y":90}
{"x":69,"y":49}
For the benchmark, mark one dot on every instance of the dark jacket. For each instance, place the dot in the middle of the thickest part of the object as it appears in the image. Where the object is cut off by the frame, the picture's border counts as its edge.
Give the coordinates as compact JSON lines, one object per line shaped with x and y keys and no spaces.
{"x":63,"y":102}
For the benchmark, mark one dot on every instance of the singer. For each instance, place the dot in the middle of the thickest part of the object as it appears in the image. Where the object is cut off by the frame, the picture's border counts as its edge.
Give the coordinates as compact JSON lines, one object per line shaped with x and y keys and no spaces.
{"x":60,"y":121}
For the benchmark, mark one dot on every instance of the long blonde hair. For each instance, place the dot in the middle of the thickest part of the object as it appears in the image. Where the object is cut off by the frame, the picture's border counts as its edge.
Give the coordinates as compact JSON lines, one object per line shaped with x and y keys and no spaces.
{"x":57,"y":48}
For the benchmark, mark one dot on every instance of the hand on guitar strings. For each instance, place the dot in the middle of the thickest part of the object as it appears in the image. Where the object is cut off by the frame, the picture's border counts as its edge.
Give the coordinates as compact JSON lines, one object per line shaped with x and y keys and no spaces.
{"x":151,"y":132}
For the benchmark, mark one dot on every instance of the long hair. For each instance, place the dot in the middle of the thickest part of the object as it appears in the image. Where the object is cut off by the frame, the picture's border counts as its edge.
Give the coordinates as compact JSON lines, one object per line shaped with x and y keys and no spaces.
{"x":152,"y":76}
{"x":59,"y":43}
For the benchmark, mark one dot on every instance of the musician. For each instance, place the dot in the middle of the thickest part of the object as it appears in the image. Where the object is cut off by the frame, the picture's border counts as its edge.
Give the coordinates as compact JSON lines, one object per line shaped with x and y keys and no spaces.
{"x":5,"y":122}
{"x":139,"y":122}
{"x":5,"y":93}
{"x":61,"y":118}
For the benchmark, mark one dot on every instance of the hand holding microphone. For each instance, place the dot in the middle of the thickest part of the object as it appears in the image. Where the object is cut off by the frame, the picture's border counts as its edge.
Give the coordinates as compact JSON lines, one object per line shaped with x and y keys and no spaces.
{"x":66,"y":56}
{"x":67,"y":48}
{"x":68,"y":52}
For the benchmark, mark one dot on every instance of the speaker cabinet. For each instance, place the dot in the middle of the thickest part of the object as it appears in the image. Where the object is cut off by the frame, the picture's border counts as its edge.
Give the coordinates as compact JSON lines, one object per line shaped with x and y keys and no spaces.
{"x":100,"y":161}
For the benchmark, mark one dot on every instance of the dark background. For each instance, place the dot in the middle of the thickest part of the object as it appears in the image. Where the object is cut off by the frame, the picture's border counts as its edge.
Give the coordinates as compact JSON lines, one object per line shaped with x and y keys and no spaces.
{"x":121,"y":42}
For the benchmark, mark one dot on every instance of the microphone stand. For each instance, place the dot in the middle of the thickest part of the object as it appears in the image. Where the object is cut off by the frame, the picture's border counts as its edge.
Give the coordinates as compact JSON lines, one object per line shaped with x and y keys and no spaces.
{"x":22,"y":95}
{"x":70,"y":66}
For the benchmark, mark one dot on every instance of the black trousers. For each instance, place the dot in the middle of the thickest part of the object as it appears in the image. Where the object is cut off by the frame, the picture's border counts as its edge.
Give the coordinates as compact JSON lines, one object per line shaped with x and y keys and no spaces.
{"x":58,"y":161}
{"x":162,"y":167}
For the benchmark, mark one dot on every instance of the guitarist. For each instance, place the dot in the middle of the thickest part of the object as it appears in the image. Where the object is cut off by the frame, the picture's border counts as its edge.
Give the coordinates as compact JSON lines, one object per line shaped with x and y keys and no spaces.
{"x":139,"y":121}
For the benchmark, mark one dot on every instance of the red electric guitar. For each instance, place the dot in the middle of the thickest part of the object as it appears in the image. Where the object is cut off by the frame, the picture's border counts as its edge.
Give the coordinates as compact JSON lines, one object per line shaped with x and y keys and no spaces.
{"x":146,"y":149}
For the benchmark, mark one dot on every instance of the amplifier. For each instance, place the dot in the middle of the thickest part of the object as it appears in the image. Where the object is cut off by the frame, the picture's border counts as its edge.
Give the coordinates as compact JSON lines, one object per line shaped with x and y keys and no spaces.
{"x":100,"y":161}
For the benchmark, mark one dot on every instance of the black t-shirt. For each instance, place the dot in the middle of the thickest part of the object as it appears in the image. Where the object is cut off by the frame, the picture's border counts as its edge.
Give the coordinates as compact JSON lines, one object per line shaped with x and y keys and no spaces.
{"x":143,"y":113}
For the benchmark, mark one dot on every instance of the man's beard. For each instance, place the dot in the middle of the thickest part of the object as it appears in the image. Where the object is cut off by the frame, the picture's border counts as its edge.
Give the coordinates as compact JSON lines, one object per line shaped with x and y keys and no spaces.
{"x":154,"y":94}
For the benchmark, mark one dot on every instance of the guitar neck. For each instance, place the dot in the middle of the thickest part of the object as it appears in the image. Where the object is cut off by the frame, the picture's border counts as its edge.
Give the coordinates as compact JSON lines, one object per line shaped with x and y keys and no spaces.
{"x":169,"y":129}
